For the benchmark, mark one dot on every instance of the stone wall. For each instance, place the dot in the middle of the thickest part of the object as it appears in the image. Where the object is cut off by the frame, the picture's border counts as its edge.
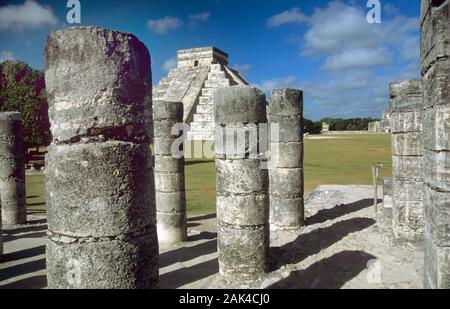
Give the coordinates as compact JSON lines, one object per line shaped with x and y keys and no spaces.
{"x":435,"y":57}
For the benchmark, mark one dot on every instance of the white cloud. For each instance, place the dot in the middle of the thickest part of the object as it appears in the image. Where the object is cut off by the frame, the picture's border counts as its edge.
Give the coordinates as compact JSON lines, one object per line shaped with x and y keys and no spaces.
{"x":283,"y":82}
{"x":359,"y":59}
{"x":27,"y":15}
{"x":165,"y":24}
{"x":292,"y":16}
{"x":197,"y":18}
{"x":339,"y":26}
{"x":6,"y":55}
{"x":169,"y":64}
{"x":410,"y":49}
{"x":242,"y":68}
{"x":341,"y":33}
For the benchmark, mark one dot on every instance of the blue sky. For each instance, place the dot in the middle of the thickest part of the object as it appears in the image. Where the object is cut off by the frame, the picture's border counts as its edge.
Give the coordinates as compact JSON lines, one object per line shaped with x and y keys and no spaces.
{"x":343,"y":63}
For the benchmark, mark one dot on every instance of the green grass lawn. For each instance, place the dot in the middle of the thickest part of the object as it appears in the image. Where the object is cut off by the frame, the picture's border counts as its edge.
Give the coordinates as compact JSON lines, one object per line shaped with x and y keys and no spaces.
{"x":344,"y":160}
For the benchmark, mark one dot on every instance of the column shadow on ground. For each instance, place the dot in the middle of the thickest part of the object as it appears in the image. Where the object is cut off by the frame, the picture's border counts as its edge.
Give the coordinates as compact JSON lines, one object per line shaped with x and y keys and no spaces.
{"x":337,"y":211}
{"x":330,"y":273}
{"x":180,"y":277}
{"x":37,"y":282}
{"x":315,"y":241}
{"x":202,"y":217}
{"x":22,"y":269}
{"x":23,"y":254}
{"x":187,"y":253}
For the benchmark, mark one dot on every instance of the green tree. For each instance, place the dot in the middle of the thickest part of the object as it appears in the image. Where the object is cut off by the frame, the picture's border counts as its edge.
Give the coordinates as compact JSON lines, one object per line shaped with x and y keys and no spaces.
{"x":22,"y":89}
{"x":311,"y":127}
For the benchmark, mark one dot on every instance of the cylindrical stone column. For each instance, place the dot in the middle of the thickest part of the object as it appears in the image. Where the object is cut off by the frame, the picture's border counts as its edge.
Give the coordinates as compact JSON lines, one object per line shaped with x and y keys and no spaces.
{"x":99,"y":181}
{"x":241,"y":182}
{"x":169,"y":174}
{"x":435,"y":55}
{"x":285,"y":115}
{"x":12,"y":169}
{"x":407,"y":152}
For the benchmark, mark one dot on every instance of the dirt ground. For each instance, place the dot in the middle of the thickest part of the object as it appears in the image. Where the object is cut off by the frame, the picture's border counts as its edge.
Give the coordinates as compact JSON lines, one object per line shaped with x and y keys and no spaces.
{"x":342,"y":246}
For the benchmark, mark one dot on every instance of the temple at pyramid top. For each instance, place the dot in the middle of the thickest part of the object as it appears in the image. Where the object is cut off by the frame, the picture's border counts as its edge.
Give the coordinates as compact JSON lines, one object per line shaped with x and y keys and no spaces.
{"x":201,"y":56}
{"x":199,"y":72}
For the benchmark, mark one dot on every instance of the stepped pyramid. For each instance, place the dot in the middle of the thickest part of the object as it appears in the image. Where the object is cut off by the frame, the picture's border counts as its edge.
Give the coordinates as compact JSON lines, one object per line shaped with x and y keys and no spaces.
{"x":199,"y":72}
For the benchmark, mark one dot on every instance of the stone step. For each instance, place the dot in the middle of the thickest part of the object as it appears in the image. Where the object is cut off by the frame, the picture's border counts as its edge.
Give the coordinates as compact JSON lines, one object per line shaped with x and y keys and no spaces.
{"x":205,"y":109}
{"x":203,"y":117}
{"x":208,"y":92}
{"x":218,"y":84}
{"x":162,"y":86}
{"x":216,"y":75}
{"x":200,"y":135}
{"x":202,"y":126}
{"x":215,"y":67}
{"x":206,"y":100}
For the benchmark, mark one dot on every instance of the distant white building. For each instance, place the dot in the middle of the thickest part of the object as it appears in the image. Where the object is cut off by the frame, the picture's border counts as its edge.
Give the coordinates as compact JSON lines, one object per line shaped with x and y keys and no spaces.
{"x":381,"y":126}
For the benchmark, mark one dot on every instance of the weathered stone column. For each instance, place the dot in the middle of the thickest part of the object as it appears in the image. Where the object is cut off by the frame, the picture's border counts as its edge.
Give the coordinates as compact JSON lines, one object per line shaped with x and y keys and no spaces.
{"x":99,"y":177}
{"x":242,"y":185}
{"x":407,"y":151}
{"x":286,"y":162}
{"x":435,"y":54}
{"x":169,"y":174}
{"x":387,"y":199}
{"x":12,"y":169}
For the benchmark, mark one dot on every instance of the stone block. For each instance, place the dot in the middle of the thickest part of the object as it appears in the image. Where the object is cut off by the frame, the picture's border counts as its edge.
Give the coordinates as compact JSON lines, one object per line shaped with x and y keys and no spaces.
{"x":286,"y":183}
{"x":435,"y":84}
{"x":408,"y":168}
{"x":240,"y":177}
{"x":401,"y":122}
{"x":99,"y":189}
{"x":286,"y":213}
{"x":437,"y":266}
{"x":407,"y":144}
{"x":437,"y":135}
{"x":169,"y":182}
{"x":239,"y":104}
{"x":243,"y":252}
{"x":286,"y":102}
{"x":437,"y":169}
{"x":172,"y":227}
{"x":98,"y":79}
{"x":246,"y":210}
{"x":437,"y":214}
{"x":103,"y":264}
{"x":286,"y":155}
{"x":408,"y":190}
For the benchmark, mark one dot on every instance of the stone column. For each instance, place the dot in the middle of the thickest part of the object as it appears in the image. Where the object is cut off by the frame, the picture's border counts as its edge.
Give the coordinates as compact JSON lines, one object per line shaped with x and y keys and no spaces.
{"x":12,"y":169}
{"x":99,"y":181}
{"x":387,"y":199}
{"x":407,"y":151}
{"x":286,"y":163}
{"x":169,"y":174}
{"x":435,"y":55}
{"x":242,"y":184}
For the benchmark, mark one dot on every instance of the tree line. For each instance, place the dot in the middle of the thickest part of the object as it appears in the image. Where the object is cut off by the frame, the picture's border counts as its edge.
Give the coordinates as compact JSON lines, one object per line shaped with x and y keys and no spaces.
{"x":337,"y":124}
{"x":22,"y":89}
